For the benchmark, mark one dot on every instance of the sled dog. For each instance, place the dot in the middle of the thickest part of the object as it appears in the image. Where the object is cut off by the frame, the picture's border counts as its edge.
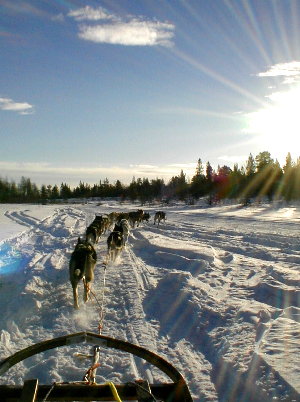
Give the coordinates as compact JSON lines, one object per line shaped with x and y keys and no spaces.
{"x":136,"y":217}
{"x":146,"y":216}
{"x":159,"y":216}
{"x":124,"y":224}
{"x":92,"y":234}
{"x":115,"y":242}
{"x":81,"y":266}
{"x":96,"y":229}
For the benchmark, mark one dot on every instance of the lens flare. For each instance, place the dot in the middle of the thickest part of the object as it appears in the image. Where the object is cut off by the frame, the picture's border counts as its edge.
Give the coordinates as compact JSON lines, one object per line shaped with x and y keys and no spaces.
{"x":11,"y":261}
{"x":278,"y":123}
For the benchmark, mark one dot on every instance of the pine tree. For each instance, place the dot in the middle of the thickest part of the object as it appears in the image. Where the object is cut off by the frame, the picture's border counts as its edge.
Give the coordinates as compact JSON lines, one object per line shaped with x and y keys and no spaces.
{"x":199,"y":168}
{"x":198,"y":183}
{"x":288,"y":163}
{"x":65,"y":191}
{"x":250,"y":166}
{"x":263,"y":160}
{"x":54,"y":192}
{"x":44,"y":193}
{"x":209,"y":172}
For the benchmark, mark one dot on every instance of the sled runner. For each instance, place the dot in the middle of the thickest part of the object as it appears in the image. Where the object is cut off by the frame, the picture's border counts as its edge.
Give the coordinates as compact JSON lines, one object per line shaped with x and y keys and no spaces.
{"x":142,"y":391}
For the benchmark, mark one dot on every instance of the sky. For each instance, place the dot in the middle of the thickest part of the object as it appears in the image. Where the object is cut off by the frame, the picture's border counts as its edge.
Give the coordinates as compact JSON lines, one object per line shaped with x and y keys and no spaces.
{"x":144,"y":88}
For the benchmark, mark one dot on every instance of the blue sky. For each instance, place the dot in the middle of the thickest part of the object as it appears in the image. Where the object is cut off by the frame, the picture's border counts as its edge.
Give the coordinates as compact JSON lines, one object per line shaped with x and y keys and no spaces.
{"x":123,"y":88}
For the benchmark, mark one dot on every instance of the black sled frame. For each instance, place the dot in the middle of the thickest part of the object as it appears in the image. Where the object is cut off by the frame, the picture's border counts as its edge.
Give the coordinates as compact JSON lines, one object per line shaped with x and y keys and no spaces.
{"x":176,"y":391}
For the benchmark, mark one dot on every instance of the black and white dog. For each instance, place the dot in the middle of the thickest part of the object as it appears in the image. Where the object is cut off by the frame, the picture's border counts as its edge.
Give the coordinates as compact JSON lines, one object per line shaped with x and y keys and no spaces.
{"x":82,"y":265}
{"x":118,"y":238}
{"x":124,"y":225}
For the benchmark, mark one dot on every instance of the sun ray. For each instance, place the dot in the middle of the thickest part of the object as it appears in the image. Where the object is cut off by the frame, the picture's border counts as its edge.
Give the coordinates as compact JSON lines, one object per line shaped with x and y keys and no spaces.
{"x":278,"y":124}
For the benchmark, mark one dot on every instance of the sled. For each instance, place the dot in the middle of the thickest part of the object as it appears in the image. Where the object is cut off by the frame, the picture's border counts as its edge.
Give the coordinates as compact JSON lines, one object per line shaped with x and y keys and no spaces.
{"x":140,"y":390}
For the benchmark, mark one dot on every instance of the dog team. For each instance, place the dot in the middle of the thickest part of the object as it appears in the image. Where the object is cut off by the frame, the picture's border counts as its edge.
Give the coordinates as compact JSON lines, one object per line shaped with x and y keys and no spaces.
{"x":84,"y":257}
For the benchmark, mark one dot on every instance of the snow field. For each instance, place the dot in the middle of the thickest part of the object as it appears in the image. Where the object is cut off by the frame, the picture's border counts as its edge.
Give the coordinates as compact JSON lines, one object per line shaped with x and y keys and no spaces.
{"x":213,"y":290}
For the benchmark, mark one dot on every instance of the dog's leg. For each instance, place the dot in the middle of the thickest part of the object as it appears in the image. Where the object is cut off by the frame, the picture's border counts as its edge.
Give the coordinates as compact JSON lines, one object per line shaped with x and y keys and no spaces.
{"x":88,"y":277}
{"x":112,"y":255}
{"x":75,"y":296}
{"x":86,"y":291}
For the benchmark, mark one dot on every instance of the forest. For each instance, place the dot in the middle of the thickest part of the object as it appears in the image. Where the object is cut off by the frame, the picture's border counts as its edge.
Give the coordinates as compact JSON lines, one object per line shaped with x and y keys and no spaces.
{"x":260,"y":177}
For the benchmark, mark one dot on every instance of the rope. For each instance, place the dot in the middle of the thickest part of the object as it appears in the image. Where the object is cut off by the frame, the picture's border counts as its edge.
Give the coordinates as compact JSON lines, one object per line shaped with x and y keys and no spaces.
{"x":114,"y":391}
{"x":101,"y":305}
{"x":101,"y":313}
{"x":48,"y":393}
{"x":91,"y":372}
{"x":143,"y":389}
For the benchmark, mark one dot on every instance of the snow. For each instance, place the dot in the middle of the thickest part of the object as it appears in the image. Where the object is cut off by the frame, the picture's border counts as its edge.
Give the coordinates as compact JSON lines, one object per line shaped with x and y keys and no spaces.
{"x":214,"y":290}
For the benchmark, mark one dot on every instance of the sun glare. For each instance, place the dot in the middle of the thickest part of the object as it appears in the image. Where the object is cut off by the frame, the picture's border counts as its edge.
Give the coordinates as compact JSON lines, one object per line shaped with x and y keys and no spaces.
{"x":278,"y":124}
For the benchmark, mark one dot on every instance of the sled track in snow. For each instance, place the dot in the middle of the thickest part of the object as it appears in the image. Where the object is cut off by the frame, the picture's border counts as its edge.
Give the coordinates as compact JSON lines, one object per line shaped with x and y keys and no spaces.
{"x":231,"y":265}
{"x":242,"y":243}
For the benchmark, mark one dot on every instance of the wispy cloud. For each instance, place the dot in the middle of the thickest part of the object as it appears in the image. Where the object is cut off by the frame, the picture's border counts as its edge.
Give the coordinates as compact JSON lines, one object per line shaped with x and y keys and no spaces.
{"x":233,"y":158}
{"x":182,"y":165}
{"x":129,"y":31}
{"x":290,"y":71}
{"x":198,"y":112}
{"x":133,"y":33}
{"x":24,"y":7}
{"x":18,"y":107}
{"x":58,"y":18}
{"x":6,"y":34}
{"x":165,"y":171}
{"x":47,"y":173}
{"x":90,"y":13}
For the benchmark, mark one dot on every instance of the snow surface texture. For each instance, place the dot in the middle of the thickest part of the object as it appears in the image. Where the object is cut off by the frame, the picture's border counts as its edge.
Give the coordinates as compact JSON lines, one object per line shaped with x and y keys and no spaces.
{"x":214,"y":290}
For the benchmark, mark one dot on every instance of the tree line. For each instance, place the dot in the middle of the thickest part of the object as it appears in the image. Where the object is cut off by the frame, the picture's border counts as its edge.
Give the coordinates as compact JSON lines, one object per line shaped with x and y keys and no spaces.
{"x":260,"y":177}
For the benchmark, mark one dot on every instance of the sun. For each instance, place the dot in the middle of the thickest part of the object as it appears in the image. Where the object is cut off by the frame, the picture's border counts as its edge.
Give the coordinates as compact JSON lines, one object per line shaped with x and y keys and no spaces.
{"x":277,"y":125}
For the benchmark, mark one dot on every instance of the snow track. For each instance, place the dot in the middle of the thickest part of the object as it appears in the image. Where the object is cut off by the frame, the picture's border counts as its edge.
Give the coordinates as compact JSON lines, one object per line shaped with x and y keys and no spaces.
{"x":217,"y":295}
